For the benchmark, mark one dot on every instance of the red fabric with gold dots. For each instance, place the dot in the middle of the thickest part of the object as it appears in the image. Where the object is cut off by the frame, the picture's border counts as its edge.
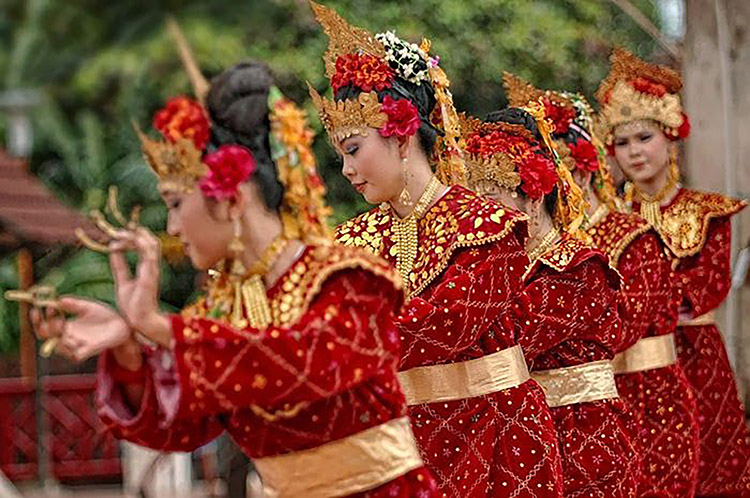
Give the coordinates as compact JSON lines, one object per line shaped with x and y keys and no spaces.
{"x":704,"y":280}
{"x":661,"y":399}
{"x":569,"y":316}
{"x":469,"y":267}
{"x":277,"y":390}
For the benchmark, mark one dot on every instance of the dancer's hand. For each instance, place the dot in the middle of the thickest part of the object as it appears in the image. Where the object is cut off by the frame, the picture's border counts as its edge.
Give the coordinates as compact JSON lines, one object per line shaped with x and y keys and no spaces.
{"x":138,"y":298}
{"x":93,"y":328}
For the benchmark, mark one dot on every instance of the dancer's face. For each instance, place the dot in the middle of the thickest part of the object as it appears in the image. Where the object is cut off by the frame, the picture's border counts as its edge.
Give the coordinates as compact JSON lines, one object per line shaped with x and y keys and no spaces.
{"x":203,"y":226}
{"x":373,"y":165}
{"x":641,"y":150}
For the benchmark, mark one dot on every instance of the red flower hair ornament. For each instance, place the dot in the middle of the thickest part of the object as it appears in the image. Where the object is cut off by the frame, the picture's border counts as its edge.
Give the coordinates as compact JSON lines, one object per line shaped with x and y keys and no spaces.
{"x":403,"y":117}
{"x":538,"y":176}
{"x":183,"y":117}
{"x":362,"y":70}
{"x":228,"y":167}
{"x":585,"y":156}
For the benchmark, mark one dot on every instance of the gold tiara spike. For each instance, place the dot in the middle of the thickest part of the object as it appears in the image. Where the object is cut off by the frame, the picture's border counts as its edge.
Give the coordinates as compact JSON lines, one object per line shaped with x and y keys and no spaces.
{"x":178,"y":165}
{"x":343,"y":38}
{"x":199,"y":82}
{"x":520,"y":93}
{"x":345,"y":118}
{"x":625,"y":66}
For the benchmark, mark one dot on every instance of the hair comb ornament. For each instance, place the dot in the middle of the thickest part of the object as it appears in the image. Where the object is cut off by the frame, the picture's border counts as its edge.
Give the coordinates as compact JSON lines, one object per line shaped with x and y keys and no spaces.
{"x":500,"y":154}
{"x":491,"y":155}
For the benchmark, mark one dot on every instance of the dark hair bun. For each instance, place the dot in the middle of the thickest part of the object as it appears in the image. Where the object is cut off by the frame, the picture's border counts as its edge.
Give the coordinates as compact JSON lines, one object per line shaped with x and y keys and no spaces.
{"x":237,"y":104}
{"x":238,"y":98}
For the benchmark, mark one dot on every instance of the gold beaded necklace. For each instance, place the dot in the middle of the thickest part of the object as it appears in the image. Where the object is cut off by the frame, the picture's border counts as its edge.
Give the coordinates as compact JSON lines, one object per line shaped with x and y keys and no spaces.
{"x":250,"y":292}
{"x":544,"y":245}
{"x":651,"y":205}
{"x":405,"y":235}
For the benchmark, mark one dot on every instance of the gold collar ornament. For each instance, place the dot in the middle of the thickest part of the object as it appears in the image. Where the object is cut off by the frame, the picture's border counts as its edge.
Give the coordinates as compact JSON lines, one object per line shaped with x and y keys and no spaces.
{"x":250,"y":305}
{"x":544,"y":245}
{"x":406,"y":234}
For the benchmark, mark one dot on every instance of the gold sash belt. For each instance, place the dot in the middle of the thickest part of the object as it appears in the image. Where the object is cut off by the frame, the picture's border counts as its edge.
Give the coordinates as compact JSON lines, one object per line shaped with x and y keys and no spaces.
{"x":578,"y":384}
{"x":354,"y":464}
{"x":647,"y":354}
{"x":466,"y":379}
{"x":705,"y":319}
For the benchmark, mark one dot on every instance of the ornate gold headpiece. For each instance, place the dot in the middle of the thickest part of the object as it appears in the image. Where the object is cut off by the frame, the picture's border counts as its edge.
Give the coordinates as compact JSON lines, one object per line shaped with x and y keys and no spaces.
{"x":179,"y":165}
{"x":343,"y":38}
{"x":520,"y":93}
{"x":498,"y":168}
{"x":635,"y":90}
{"x":345,"y":118}
{"x":571,"y":207}
{"x":304,"y":211}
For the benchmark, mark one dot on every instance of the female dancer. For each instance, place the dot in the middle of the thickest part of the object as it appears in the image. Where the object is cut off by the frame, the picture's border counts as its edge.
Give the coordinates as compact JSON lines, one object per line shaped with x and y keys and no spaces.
{"x":570,"y":327}
{"x":480,"y":422}
{"x":648,"y":376}
{"x":642,"y":119}
{"x":293,"y":350}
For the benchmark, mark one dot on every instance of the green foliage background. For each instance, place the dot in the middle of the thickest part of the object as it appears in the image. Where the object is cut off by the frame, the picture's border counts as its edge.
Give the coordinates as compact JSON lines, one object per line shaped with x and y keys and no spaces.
{"x":101,"y":64}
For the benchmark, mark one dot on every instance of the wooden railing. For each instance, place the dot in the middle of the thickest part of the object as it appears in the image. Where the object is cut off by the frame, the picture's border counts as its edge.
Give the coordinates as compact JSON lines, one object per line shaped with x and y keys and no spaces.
{"x":75,"y":444}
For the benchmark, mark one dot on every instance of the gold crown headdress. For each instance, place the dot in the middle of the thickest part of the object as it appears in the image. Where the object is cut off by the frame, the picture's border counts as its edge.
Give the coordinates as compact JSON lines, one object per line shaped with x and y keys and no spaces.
{"x":498,"y":168}
{"x":521,"y":93}
{"x":303,"y":211}
{"x":635,"y":90}
{"x":178,"y":166}
{"x":346,"y":118}
{"x":177,"y":161}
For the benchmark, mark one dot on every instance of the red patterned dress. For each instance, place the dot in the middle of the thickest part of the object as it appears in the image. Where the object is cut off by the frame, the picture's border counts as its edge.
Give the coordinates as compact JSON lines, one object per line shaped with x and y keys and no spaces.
{"x":464,"y":286}
{"x":569,"y":317}
{"x":696,"y":227}
{"x":655,"y":385}
{"x":323,"y":373}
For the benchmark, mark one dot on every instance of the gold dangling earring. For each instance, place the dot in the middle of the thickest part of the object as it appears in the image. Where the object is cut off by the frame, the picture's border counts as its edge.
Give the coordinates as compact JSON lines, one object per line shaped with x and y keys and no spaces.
{"x":236,"y":248}
{"x":236,"y":275}
{"x":535,"y":220}
{"x":405,"y":197}
{"x":629,"y":191}
{"x":674,"y":166}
